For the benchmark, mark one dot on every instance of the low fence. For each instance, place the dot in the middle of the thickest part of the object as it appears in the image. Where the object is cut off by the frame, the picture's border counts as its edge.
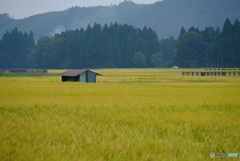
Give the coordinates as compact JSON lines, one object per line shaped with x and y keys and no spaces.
{"x":219,"y":73}
{"x":25,"y":71}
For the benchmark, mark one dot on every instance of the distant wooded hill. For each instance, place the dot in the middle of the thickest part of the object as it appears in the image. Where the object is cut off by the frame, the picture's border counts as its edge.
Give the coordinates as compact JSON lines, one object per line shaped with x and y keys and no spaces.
{"x":165,"y":17}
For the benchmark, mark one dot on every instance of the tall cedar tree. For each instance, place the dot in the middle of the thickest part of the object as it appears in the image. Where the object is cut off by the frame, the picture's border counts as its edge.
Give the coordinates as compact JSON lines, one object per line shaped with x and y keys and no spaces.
{"x":15,"y":47}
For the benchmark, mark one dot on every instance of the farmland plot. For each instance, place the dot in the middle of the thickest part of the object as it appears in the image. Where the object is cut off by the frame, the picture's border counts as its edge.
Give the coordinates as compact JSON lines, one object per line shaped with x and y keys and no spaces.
{"x":130,"y":114}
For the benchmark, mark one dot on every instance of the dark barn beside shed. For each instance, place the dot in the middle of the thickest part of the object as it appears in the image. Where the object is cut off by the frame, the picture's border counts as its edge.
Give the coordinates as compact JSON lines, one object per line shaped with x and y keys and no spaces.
{"x":79,"y":75}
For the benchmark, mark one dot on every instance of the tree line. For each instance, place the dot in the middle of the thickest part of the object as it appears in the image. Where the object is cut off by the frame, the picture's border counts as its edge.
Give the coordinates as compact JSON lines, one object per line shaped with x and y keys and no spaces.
{"x":122,"y":46}
{"x":15,"y":47}
{"x":97,"y":47}
{"x":210,"y":47}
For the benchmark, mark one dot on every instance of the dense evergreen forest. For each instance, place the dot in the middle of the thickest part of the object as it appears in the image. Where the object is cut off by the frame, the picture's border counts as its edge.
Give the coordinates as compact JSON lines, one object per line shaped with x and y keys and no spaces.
{"x":15,"y":47}
{"x":123,"y":46}
{"x":97,"y":47}
{"x":209,"y":48}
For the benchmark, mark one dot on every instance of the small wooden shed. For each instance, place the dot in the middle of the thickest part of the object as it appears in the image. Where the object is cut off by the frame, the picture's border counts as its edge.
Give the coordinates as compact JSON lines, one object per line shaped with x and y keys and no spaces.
{"x":79,"y":75}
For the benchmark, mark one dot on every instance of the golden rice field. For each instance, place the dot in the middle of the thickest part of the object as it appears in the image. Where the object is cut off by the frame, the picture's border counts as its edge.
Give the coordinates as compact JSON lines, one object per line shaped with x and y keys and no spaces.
{"x":129,"y":115}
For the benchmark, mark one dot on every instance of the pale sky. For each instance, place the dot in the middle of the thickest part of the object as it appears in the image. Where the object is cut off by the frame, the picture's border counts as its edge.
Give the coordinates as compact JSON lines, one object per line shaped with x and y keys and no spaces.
{"x":24,"y":8}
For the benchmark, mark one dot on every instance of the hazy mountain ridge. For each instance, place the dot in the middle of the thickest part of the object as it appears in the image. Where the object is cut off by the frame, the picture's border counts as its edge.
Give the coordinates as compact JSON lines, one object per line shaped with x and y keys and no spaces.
{"x":165,"y":17}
